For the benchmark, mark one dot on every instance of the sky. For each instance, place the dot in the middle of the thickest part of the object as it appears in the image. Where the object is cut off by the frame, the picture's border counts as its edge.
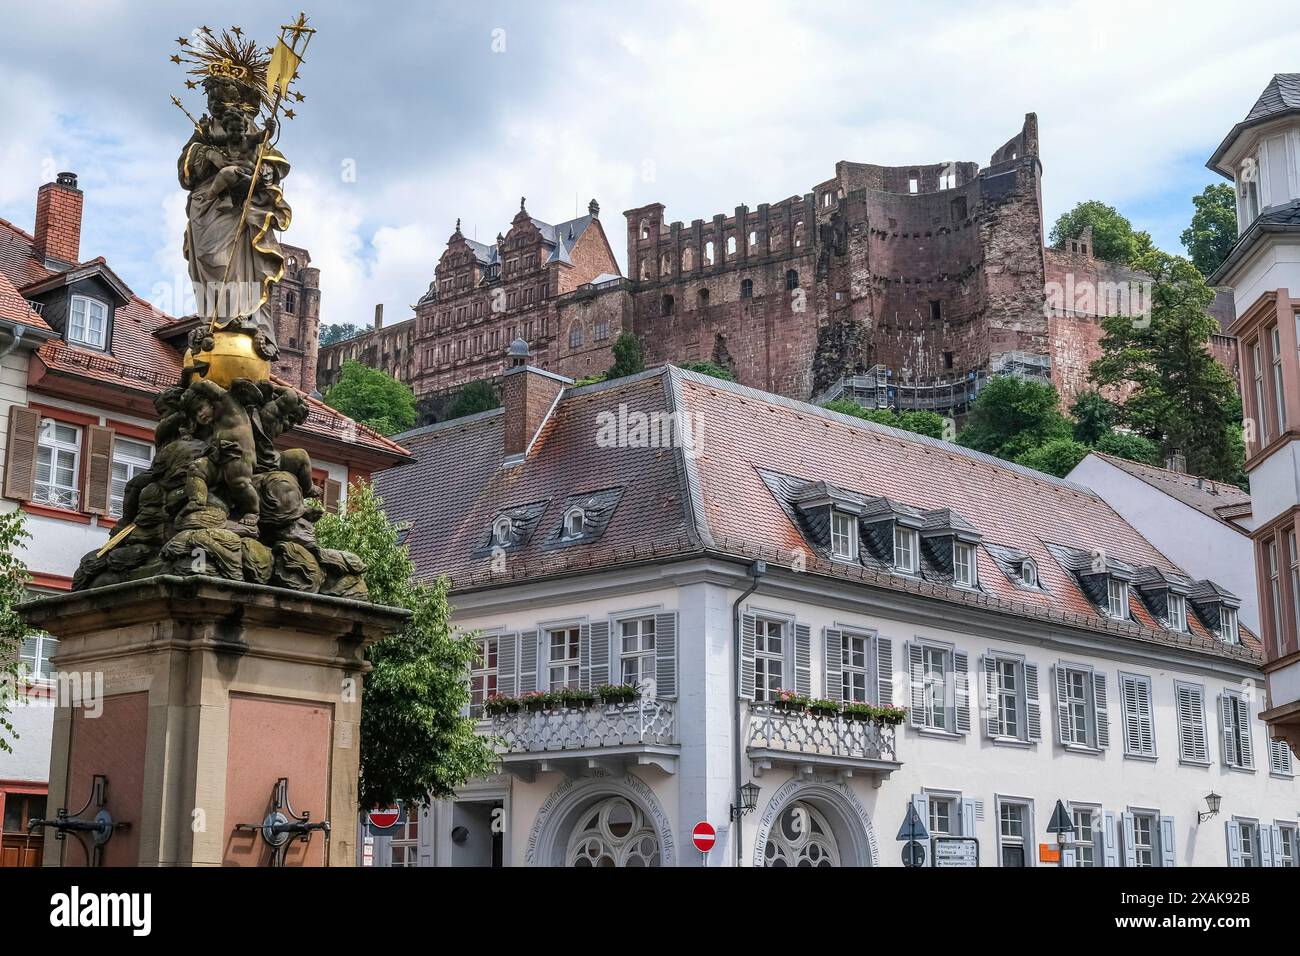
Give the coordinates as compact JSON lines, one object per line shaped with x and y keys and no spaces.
{"x":417,"y":114}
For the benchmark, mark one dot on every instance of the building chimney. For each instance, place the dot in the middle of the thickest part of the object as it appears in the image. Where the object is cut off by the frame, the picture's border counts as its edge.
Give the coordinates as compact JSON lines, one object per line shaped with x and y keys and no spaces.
{"x":58,"y":221}
{"x":527,"y":395}
{"x":379,"y":316}
{"x":1177,"y":462}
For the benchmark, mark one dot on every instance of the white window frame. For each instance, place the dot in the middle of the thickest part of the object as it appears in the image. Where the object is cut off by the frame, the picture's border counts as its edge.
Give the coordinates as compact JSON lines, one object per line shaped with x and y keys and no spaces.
{"x":38,"y":671}
{"x":1117,"y":604}
{"x":133,"y":466}
{"x":965,"y":570}
{"x":1029,"y":573}
{"x":1152,"y":846}
{"x":81,"y":330}
{"x":844,"y":538}
{"x":643,"y":649}
{"x":1288,"y":834}
{"x":1026,"y":839}
{"x":952,"y":802}
{"x":1088,"y":703}
{"x":850,"y":670}
{"x":1250,"y":848}
{"x":570,"y":664}
{"x":52,"y":447}
{"x":1201,"y":760}
{"x":1095,"y":826}
{"x":1228,"y":632}
{"x":575,"y":523}
{"x":946,"y":681}
{"x":906,"y":545}
{"x":766,"y":661}
{"x":501,"y":531}
{"x":1019,"y":703}
{"x":484,"y":669}
{"x":1176,"y":613}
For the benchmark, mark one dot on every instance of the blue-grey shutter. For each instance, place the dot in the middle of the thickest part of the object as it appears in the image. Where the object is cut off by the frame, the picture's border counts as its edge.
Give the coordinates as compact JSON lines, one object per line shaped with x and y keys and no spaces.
{"x":1247,"y":745}
{"x":1062,"y":712}
{"x":1191,"y":724}
{"x":922,"y":804}
{"x":584,"y":656}
{"x":1130,"y":851}
{"x":1146,"y":719}
{"x":884,"y":671}
{"x":527,"y":661}
{"x":961,"y":681}
{"x":992,"y":723}
{"x":600,"y":653}
{"x":916,"y":681}
{"x":1230,"y":756}
{"x":802,"y":659}
{"x":747,"y":656}
{"x":1110,"y":841}
{"x":666,"y":654}
{"x":968,"y":819}
{"x":1099,"y":705}
{"x":833,"y":662}
{"x":1275,"y":838}
{"x":1132,"y":716}
{"x":1167,"y":855}
{"x":1033,"y":709}
{"x":1265,"y":845}
{"x":507,"y":645}
{"x":1234,"y":842}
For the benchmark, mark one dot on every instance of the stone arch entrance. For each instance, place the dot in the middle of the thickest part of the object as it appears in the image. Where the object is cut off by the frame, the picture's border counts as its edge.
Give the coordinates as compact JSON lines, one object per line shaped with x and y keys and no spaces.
{"x":815,"y":824}
{"x":601,"y":821}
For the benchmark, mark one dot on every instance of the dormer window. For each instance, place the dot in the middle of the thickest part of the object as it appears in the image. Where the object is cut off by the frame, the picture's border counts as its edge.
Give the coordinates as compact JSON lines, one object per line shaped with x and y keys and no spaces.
{"x":575,"y":523}
{"x":1117,"y":599}
{"x":1177,"y":614}
{"x":964,"y":573}
{"x":501,"y":531}
{"x":906,"y":553}
{"x":844,"y":537}
{"x":1228,"y":625}
{"x":88,"y":322}
{"x":1029,"y":573}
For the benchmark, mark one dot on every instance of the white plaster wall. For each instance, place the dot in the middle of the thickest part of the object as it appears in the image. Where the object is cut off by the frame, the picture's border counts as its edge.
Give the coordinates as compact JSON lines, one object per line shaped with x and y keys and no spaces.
{"x":33,"y":721}
{"x":1199,"y":544}
{"x":1276,"y":265}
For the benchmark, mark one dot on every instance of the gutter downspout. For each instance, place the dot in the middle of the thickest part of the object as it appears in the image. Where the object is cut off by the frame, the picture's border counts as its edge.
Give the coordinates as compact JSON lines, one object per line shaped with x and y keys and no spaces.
{"x":756,"y":571}
{"x":14,"y":342}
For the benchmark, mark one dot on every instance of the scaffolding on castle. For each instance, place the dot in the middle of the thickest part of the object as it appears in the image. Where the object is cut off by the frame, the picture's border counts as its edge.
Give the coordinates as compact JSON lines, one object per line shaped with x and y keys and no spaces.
{"x":878,"y":387}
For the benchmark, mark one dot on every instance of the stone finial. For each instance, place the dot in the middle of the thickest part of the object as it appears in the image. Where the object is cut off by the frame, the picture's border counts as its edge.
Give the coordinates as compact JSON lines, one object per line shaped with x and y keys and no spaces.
{"x":593,"y":207}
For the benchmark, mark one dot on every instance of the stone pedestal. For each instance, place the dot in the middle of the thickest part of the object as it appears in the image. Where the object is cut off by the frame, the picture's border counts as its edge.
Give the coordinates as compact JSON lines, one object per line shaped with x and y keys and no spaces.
{"x":193,"y":696}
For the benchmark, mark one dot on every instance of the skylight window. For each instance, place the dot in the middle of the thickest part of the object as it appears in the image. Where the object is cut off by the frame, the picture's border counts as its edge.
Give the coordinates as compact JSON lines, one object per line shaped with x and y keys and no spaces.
{"x":963,"y":565}
{"x":905,"y":550}
{"x":844,"y":540}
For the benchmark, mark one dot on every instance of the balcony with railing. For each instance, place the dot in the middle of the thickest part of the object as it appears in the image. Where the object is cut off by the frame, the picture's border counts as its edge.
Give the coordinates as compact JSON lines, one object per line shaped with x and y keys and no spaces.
{"x":576,"y":740}
{"x":806,"y":743}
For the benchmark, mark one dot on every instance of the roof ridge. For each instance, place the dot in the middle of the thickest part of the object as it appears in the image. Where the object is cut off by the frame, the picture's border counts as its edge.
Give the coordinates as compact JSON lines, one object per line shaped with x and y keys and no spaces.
{"x":448,"y":424}
{"x":18,"y":229}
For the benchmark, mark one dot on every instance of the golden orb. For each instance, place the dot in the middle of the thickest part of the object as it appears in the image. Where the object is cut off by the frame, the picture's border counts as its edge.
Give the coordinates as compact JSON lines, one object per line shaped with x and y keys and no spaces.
{"x":232,"y":356}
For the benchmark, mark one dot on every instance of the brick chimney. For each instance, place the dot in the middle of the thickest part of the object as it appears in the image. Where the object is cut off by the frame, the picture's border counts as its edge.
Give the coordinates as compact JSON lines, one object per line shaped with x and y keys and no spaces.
{"x":58,"y":221}
{"x":379,"y":316}
{"x":527,"y":395}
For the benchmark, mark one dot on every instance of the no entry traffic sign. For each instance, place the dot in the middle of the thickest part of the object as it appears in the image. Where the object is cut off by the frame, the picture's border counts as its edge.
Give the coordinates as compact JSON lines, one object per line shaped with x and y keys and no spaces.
{"x":704,"y":836}
{"x":385,"y":818}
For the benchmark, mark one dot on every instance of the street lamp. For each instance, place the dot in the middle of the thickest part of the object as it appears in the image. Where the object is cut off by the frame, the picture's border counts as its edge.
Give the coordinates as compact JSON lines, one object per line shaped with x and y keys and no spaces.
{"x":1212,"y":801}
{"x":748,"y":800}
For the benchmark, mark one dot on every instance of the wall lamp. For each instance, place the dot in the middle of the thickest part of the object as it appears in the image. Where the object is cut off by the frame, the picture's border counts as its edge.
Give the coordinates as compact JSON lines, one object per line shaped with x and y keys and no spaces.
{"x":1212,"y":800}
{"x":748,"y":800}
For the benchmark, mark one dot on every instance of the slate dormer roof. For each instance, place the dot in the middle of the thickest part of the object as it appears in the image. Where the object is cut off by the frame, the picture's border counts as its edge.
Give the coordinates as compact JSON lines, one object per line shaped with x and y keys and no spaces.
{"x":523,"y":523}
{"x":1281,"y":97}
{"x":597,"y":511}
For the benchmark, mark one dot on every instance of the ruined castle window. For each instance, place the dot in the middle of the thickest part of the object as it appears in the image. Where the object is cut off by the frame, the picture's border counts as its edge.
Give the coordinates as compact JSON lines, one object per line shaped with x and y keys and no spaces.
{"x":665,"y":265}
{"x":746,"y":288}
{"x":667,"y":305}
{"x":703,"y":297}
{"x":688,"y":259}
{"x":496,"y":339}
{"x":827,"y":198}
{"x":291,"y":263}
{"x":528,"y":330}
{"x":731,"y":245}
{"x":753,"y":238}
{"x":644,"y":268}
{"x":774,"y":235}
{"x":645,"y":229}
{"x":913,"y":181}
{"x":601,"y":331}
{"x":575,"y":335}
{"x":290,"y":302}
{"x":959,"y":209}
{"x":791,"y":279}
{"x":708,"y":253}
{"x":936,"y":310}
{"x":947,"y":360}
{"x":798,"y":234}
{"x":948,"y":180}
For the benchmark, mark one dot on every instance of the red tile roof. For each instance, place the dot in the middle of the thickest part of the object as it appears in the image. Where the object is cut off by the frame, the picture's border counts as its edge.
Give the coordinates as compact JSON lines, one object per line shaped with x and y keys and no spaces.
{"x":1216,"y":499}
{"x":14,"y":308}
{"x":715,"y":500}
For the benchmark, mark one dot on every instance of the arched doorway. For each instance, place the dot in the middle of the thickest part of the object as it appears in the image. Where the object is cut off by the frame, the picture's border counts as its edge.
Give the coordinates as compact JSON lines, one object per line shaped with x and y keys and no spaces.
{"x":814,"y":824}
{"x":602,"y":820}
{"x":611,"y":833}
{"x":802,"y":837}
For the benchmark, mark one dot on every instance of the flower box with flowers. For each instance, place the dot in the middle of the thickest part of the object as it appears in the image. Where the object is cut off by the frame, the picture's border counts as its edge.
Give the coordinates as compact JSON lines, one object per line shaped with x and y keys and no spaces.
{"x":534,"y":700}
{"x":500,"y":704}
{"x":824,"y":708}
{"x":791,"y":701}
{"x":617,"y":693}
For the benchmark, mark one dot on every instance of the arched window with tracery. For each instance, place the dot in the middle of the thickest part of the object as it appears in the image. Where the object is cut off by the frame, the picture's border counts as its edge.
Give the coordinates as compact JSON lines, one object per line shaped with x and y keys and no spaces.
{"x":613,"y":833}
{"x":801,"y":838}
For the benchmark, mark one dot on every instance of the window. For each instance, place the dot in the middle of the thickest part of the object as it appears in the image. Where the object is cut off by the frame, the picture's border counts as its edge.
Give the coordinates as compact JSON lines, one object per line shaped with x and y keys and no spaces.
{"x":963,"y":565}
{"x":1279,"y":758}
{"x":1008,"y":701}
{"x":791,"y":279}
{"x":1192,"y":745}
{"x":746,"y":288}
{"x":290,"y":301}
{"x":703,"y":297}
{"x":667,"y":305}
{"x":563,"y":659}
{"x":1286,"y":845}
{"x":502,"y":529}
{"x":575,"y":523}
{"x":914,"y":182}
{"x":1139,"y":735}
{"x":1228,"y":625}
{"x":708,"y":253}
{"x":731,"y":245}
{"x":1013,"y":821}
{"x":602,"y":330}
{"x":1278,"y":396}
{"x":1238,"y":751}
{"x":87,"y":322}
{"x":934,"y":676}
{"x":943,"y":813}
{"x":769,"y":657}
{"x":1275,"y":588}
{"x":905,"y":551}
{"x":1085,"y":835}
{"x":1146,"y":834}
{"x":844,"y":538}
{"x":482,"y":675}
{"x":129,"y":459}
{"x":1177,"y":612}
{"x":1295,"y":583}
{"x":1117,"y":598}
{"x":936,"y":310}
{"x":21,"y":809}
{"x":58,"y":462}
{"x":948,"y":180}
{"x":406,"y":841}
{"x":1029,"y":573}
{"x":575,"y":335}
{"x":853,"y":667}
{"x":1257,"y":363}
{"x":34,"y":656}
{"x":1077,"y":700}
{"x":1248,"y":833}
{"x":636,"y":650}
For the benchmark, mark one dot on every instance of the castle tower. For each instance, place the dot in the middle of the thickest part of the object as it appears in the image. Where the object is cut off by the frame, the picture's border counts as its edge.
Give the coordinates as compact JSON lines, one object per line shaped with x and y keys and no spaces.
{"x":297,"y":320}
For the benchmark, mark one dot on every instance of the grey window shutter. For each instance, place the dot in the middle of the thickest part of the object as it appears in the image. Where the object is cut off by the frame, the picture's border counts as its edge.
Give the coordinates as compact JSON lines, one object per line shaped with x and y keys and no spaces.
{"x":1168,"y":857}
{"x":20,"y":454}
{"x":1146,"y":726}
{"x":968,"y":819}
{"x":747,"y":657}
{"x":1247,"y":745}
{"x":885,"y":671}
{"x":833,"y":661}
{"x":1062,"y":713}
{"x":1033,"y":709}
{"x":916,"y":682}
{"x":584,"y":657}
{"x":961,"y":681}
{"x":527,"y":661}
{"x":1130,"y":851}
{"x":802,"y":659}
{"x":1132,"y":733}
{"x":1191,"y":724}
{"x":600,"y":654}
{"x":922,"y":804}
{"x":1110,"y":841}
{"x":507,"y":658}
{"x":666,"y":654}
{"x":1230,"y":755}
{"x":992,"y":722}
{"x":1234,"y":842}
{"x":1099,"y":703}
{"x":1275,"y":838}
{"x":1265,"y":845}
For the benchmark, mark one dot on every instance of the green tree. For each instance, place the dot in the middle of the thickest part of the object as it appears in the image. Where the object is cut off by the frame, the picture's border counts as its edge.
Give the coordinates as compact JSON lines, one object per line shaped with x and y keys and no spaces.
{"x":708,"y":368}
{"x":1214,"y":227}
{"x":373,"y":398}
{"x":477,"y":396}
{"x":1113,"y":236}
{"x":337,"y":332}
{"x":1011,"y":416}
{"x":416,"y":741}
{"x":1094,"y":416}
{"x":1181,"y":398}
{"x":13,"y":589}
{"x":1130,"y":446}
{"x":627,"y":356}
{"x":1055,"y":457}
{"x":921,"y":422}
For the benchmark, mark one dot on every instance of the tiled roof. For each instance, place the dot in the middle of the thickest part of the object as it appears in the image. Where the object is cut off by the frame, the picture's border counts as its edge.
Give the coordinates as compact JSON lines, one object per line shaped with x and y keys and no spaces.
{"x":1213,"y":498}
{"x":14,"y":308}
{"x":715,"y":498}
{"x":16,"y":259}
{"x":1280,"y":97}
